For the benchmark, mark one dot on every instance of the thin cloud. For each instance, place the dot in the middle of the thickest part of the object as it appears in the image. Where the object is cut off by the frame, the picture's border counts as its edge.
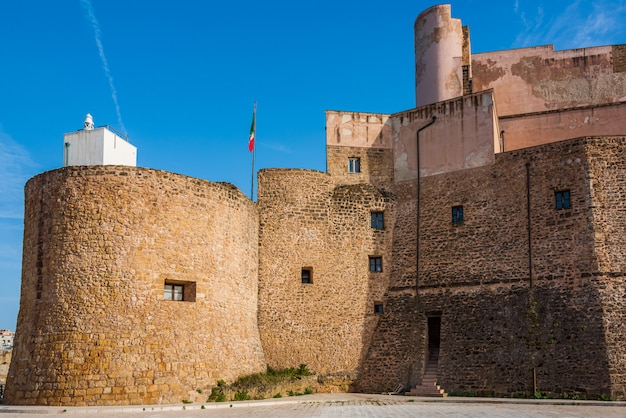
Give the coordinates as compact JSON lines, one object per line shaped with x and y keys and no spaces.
{"x":91,"y":16}
{"x":274,"y":146}
{"x":581,"y":24}
{"x":16,"y":166}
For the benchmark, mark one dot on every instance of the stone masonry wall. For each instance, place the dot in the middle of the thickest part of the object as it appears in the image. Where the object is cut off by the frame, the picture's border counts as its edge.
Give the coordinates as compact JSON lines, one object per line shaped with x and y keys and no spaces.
{"x":497,"y":330}
{"x":306,"y":221}
{"x":99,"y":245}
{"x":608,"y":194}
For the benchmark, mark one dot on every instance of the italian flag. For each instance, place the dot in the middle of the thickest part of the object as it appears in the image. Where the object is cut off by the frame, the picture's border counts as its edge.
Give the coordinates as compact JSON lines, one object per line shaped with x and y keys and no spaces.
{"x":252,"y":132}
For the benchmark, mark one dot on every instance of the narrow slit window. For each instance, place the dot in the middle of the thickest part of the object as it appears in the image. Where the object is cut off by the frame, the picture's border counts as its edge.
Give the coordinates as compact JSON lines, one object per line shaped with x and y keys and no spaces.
{"x":457,"y":214}
{"x":307,"y":276}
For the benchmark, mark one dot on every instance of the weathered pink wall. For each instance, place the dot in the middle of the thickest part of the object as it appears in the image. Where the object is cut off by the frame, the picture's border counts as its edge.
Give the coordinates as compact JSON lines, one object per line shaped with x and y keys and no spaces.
{"x":463,"y":136}
{"x":539,"y":79}
{"x":358,"y":129}
{"x":438,"y":56}
{"x":542,"y":128}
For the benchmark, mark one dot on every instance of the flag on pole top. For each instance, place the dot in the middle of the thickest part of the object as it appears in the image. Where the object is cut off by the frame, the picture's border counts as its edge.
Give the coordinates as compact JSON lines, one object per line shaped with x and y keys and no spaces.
{"x":252,"y":131}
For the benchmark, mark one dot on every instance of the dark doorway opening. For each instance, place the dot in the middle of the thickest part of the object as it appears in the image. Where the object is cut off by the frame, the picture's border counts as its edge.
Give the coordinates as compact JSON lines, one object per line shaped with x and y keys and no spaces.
{"x":434,"y":337}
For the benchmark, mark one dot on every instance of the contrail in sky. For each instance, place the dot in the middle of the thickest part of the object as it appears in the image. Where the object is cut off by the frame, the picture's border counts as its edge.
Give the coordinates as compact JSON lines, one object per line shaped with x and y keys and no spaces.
{"x":105,"y":65}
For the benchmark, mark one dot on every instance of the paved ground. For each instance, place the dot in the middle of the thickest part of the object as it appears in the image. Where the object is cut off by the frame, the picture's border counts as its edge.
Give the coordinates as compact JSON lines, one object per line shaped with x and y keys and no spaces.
{"x":345,"y":405}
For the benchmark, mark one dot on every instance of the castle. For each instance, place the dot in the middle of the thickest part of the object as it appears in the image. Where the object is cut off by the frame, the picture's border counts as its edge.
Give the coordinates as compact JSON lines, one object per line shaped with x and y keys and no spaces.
{"x":477,"y":240}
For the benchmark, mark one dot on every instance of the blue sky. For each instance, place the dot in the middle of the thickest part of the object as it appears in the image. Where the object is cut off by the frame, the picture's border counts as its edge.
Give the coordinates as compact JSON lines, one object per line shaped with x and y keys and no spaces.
{"x":181,"y":79}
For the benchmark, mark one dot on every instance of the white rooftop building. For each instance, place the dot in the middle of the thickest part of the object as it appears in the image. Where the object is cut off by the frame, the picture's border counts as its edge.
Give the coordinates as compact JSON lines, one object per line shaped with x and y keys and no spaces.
{"x":97,"y":146}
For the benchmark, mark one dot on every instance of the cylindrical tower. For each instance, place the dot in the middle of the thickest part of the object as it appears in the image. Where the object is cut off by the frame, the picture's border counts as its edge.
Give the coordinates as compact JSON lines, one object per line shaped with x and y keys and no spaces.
{"x":139,"y":287}
{"x":438,"y":56}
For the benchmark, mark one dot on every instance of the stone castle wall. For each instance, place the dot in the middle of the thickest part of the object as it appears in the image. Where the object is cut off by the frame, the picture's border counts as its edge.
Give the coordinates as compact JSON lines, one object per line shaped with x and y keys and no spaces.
{"x":308,"y":221}
{"x":497,"y":330}
{"x":100,"y":243}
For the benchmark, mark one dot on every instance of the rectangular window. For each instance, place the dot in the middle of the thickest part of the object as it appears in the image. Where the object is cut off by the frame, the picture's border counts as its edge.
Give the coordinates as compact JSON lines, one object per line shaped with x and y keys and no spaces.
{"x":562,"y":199}
{"x":307,"y":276}
{"x":376,"y":264}
{"x":378,"y":220}
{"x":378,"y":308}
{"x":179,"y":291}
{"x":354,"y":165}
{"x":457,"y":214}
{"x":173,"y":292}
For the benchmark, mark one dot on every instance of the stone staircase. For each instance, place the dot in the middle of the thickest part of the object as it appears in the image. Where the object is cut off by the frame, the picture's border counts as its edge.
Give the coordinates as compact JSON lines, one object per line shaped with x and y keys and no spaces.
{"x":429,"y":386}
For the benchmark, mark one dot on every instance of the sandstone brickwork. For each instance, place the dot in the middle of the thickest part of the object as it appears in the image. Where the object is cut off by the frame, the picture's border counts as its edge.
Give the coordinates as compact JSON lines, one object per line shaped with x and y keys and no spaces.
{"x":100,"y":244}
{"x":307,"y":221}
{"x":498,"y":330}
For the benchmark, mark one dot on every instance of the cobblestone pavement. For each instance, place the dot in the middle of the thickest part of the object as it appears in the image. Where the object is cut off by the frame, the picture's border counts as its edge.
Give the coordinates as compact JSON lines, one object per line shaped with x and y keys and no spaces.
{"x":345,"y":405}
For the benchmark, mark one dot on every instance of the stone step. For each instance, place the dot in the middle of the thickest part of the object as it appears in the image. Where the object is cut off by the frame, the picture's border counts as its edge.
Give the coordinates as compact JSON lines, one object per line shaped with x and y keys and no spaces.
{"x":429,"y":386}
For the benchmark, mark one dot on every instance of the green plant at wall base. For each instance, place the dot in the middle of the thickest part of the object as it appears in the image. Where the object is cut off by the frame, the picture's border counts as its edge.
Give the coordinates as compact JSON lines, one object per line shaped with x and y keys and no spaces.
{"x":202,"y":407}
{"x":186,"y":401}
{"x":199,"y":390}
{"x":603,"y":397}
{"x":221,"y":383}
{"x":216,"y":395}
{"x":308,"y":391}
{"x":278,"y":395}
{"x":241,"y":396}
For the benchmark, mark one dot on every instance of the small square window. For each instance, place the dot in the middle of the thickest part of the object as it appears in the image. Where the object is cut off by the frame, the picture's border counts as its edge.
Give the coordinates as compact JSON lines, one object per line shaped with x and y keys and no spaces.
{"x":173,"y":292}
{"x":307,"y":276}
{"x":354,"y":165}
{"x":562,"y":199}
{"x":378,"y":308}
{"x":376,"y":264}
{"x":378,"y":220}
{"x":457,"y":214}
{"x":179,"y":291}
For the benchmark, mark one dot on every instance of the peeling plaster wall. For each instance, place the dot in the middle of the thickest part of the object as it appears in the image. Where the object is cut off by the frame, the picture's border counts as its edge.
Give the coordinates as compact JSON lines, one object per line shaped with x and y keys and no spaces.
{"x":462,"y":137}
{"x":438,"y":56}
{"x":539,"y":78}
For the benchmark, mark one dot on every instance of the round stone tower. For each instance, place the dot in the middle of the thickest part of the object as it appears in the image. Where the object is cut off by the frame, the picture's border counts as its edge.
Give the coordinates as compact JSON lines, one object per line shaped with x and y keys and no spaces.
{"x":139,"y":286}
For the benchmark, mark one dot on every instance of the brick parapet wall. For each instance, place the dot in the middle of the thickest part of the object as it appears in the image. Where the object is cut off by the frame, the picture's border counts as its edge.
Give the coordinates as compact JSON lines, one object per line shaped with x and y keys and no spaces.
{"x":102,"y":241}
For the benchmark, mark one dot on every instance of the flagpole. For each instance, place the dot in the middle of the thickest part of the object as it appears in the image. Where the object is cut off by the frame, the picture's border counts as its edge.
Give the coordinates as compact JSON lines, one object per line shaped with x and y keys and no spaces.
{"x":253,"y":152}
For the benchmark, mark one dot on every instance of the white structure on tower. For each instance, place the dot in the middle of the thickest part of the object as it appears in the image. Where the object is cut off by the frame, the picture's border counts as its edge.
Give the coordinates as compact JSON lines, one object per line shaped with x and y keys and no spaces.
{"x":97,"y":146}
